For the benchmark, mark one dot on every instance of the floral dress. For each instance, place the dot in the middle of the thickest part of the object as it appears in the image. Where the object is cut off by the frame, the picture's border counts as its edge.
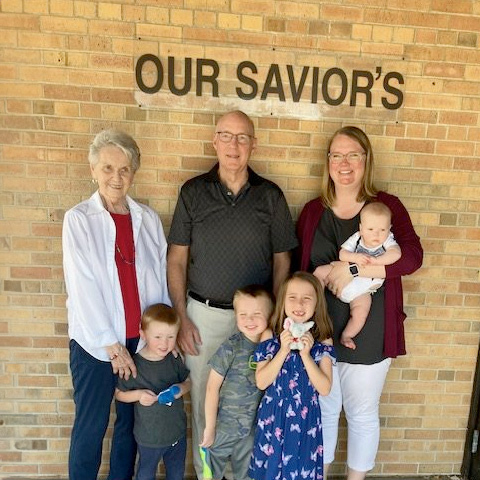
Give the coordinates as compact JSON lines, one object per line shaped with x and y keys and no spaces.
{"x":288,"y":439}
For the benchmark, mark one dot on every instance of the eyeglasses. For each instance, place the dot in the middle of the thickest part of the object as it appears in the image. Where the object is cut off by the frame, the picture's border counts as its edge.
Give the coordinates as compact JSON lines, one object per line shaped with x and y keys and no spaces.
{"x":352,"y":157}
{"x":242,"y":138}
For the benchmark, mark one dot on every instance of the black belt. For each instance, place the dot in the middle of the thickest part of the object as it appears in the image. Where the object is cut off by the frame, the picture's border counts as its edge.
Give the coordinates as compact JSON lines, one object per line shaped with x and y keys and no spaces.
{"x":210,"y":303}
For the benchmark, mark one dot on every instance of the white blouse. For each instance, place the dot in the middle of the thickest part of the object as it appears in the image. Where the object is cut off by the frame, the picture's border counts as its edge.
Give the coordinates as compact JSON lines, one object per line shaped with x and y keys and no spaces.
{"x":96,"y":316}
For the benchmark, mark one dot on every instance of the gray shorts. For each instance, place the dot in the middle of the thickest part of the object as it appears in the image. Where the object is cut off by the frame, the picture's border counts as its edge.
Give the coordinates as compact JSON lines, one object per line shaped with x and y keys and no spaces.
{"x":234,"y":448}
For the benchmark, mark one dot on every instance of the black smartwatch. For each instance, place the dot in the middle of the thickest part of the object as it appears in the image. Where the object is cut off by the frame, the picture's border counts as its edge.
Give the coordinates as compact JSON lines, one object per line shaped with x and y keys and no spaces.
{"x":353,"y":269}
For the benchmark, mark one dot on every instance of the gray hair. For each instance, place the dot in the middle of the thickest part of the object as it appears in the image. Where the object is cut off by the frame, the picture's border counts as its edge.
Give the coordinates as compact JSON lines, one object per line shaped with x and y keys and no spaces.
{"x":115,"y":138}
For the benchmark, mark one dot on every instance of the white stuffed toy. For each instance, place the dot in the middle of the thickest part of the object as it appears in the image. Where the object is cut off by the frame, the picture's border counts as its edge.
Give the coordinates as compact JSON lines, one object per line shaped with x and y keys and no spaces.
{"x":297,"y":330}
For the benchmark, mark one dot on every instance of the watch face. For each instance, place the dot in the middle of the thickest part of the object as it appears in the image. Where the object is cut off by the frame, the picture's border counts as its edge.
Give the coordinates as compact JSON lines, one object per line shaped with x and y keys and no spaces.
{"x":354,"y":270}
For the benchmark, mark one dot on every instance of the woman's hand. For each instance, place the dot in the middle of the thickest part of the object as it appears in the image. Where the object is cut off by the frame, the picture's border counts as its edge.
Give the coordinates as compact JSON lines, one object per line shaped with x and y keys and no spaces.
{"x":322,"y":272}
{"x":338,"y":278}
{"x":122,"y":362}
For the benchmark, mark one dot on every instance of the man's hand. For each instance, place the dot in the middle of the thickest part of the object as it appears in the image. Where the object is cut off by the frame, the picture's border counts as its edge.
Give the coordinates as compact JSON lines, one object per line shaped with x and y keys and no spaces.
{"x":188,"y":337}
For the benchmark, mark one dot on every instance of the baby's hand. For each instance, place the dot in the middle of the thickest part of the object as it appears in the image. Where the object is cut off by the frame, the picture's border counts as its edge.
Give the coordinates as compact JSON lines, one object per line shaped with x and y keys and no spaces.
{"x":362,"y":259}
{"x":147,"y":398}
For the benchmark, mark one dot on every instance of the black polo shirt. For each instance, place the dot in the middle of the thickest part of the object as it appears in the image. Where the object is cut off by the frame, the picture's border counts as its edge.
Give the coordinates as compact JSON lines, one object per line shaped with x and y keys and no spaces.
{"x":232,"y":239}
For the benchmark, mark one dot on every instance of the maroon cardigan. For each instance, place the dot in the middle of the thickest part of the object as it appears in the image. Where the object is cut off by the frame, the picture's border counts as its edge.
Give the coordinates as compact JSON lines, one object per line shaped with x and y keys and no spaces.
{"x":411,"y":260}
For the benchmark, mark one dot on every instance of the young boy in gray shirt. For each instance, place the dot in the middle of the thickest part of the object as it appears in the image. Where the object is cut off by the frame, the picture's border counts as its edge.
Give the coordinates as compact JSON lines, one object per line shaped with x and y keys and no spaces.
{"x":232,"y":397}
{"x":162,"y":379}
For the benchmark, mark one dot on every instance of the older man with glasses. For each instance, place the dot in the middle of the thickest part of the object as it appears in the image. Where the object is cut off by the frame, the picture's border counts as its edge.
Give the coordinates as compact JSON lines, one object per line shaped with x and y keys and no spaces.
{"x":231,"y":228}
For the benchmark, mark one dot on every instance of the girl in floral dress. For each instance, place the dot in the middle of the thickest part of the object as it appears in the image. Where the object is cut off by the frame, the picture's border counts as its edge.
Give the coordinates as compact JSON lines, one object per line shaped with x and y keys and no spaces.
{"x":288,"y":439}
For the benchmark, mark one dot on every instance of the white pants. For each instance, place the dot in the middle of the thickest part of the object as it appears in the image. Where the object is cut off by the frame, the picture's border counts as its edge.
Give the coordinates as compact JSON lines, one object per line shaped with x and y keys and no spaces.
{"x":358,"y":388}
{"x":215,"y":326}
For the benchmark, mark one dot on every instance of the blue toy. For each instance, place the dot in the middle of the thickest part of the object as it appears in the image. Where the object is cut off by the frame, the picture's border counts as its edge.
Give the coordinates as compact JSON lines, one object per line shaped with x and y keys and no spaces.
{"x":166,"y":397}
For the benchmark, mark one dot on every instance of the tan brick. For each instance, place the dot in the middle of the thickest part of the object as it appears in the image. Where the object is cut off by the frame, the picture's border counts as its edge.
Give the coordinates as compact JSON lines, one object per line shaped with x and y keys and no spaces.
{"x":13,"y":6}
{"x":252,"y":22}
{"x":64,"y":83}
{"x":109,"y":11}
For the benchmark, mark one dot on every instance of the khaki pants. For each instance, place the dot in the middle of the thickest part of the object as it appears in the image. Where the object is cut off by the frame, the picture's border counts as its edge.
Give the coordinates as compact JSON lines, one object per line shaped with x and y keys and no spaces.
{"x":215,"y":326}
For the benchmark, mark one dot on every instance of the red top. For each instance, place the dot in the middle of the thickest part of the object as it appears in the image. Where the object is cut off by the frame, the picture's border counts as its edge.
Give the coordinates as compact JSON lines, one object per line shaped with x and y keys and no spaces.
{"x":411,"y":260}
{"x":125,"y":261}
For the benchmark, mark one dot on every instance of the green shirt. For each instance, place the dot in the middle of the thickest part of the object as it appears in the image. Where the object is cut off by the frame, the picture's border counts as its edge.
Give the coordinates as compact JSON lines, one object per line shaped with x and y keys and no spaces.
{"x":239,"y":395}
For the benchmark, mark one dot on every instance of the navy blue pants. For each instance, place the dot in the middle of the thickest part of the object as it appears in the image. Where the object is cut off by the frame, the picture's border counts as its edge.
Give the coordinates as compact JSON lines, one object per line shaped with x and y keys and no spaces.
{"x":173,"y":459}
{"x":93,"y":389}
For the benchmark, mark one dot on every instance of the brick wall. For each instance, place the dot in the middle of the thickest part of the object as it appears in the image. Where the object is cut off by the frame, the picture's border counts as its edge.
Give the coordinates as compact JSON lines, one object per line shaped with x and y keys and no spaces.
{"x":67,"y":71}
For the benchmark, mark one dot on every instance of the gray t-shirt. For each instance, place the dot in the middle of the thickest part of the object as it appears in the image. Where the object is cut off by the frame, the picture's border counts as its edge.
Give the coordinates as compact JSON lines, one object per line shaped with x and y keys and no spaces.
{"x":232,"y":239}
{"x":158,"y":425}
{"x":239,"y":395}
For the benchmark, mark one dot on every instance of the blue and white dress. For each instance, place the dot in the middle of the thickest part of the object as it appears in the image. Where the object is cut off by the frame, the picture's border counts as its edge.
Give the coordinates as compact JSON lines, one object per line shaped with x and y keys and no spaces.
{"x":288,"y":440}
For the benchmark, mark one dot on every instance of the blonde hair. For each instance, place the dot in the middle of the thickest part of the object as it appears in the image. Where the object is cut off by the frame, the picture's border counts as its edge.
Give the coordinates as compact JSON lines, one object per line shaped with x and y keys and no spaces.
{"x":323,"y":326}
{"x":376,"y":208}
{"x":159,"y":312}
{"x":255,"y":291}
{"x":368,"y":191}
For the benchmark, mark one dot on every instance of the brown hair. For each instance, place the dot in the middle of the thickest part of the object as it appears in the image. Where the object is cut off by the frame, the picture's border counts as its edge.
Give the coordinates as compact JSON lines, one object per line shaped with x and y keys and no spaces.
{"x":323,"y":326}
{"x":368,"y":191}
{"x":159,"y":312}
{"x":255,"y":291}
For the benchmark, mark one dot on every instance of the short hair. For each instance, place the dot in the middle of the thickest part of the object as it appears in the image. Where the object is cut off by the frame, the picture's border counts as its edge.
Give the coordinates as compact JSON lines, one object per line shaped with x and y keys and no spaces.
{"x":239,"y":113}
{"x":255,"y":291}
{"x":377,"y":208}
{"x":159,"y":312}
{"x":368,"y":191}
{"x":115,"y":138}
{"x":323,"y":326}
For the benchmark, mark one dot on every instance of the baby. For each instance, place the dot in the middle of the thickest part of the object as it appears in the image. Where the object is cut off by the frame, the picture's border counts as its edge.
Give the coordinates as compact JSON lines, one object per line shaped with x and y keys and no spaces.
{"x":373,"y":244}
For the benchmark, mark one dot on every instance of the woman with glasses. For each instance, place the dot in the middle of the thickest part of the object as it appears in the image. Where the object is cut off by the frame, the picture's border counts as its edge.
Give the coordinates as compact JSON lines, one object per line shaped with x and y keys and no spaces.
{"x":324,"y":225}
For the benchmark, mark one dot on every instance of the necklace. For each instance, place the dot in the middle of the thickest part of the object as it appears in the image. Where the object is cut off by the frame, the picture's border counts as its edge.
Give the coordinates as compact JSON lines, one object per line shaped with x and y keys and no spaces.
{"x":116,"y":217}
{"x":124,"y":260}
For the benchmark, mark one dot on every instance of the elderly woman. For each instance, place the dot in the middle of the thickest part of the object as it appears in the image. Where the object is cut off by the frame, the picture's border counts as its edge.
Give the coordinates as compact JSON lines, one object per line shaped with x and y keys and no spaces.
{"x":324,"y":224}
{"x":115,"y":265}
